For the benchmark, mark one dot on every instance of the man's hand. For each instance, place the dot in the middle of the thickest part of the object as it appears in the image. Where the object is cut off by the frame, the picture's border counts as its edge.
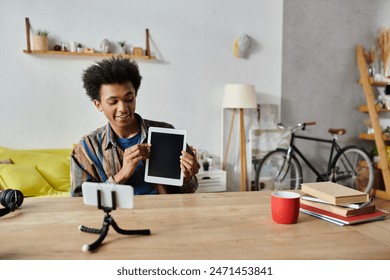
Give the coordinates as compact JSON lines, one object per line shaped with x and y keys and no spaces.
{"x":131,"y":157}
{"x":189,"y":165}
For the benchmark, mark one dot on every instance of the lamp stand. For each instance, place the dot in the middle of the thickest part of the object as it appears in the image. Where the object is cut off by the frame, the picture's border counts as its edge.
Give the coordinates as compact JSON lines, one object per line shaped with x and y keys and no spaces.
{"x":244,"y":171}
{"x":228,"y":143}
{"x":244,"y":175}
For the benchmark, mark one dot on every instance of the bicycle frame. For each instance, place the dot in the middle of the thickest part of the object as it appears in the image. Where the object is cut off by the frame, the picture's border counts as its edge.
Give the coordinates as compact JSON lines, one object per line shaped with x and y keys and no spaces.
{"x":294,"y":150}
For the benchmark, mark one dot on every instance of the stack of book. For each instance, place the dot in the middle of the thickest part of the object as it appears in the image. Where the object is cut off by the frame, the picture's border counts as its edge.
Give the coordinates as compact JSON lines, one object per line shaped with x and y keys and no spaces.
{"x":338,"y":204}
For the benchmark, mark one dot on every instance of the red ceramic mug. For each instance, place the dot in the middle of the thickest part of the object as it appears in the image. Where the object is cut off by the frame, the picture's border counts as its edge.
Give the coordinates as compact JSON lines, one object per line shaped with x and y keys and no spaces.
{"x":285,"y":207}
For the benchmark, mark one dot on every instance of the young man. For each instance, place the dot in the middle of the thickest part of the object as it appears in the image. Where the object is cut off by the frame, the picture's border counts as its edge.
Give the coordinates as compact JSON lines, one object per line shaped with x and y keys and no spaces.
{"x":115,"y":153}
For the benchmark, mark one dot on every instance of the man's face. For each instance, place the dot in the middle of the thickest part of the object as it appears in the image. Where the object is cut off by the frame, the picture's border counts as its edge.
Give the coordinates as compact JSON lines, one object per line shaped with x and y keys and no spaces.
{"x":117,"y":102}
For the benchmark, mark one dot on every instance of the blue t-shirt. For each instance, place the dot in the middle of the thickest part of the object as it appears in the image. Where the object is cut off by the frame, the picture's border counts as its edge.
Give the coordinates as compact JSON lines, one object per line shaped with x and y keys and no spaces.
{"x":137,"y":180}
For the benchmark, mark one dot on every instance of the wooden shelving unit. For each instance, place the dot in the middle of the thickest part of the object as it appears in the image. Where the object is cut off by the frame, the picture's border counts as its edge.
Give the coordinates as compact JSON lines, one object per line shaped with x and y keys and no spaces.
{"x":374,"y":83}
{"x":378,"y":108}
{"x":28,"y":50}
{"x":366,"y":136}
{"x":374,"y":118}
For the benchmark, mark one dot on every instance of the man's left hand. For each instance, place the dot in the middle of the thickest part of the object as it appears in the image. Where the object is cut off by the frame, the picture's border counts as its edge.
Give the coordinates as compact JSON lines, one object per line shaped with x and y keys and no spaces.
{"x":189,"y":165}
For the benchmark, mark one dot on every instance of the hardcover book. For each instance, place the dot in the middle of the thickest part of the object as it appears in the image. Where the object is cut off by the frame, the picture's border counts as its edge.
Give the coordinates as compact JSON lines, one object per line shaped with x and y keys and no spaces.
{"x":340,"y":220}
{"x":343,"y":211}
{"x":349,"y":205}
{"x":334,"y":193}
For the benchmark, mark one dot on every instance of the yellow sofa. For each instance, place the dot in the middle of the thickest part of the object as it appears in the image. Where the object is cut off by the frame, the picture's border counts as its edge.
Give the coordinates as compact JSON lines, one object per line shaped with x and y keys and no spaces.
{"x":36,"y":172}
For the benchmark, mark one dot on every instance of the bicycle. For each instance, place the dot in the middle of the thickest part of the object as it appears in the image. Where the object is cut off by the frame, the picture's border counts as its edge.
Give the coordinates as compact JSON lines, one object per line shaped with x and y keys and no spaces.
{"x":280,"y":169}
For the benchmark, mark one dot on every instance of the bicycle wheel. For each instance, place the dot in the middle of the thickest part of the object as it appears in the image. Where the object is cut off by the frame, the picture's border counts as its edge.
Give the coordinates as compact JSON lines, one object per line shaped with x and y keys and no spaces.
{"x":352,"y":167}
{"x":275,"y":172}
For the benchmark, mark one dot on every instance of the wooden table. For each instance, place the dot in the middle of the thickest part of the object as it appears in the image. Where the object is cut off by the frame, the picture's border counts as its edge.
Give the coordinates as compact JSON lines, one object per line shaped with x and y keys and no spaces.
{"x":225,"y":226}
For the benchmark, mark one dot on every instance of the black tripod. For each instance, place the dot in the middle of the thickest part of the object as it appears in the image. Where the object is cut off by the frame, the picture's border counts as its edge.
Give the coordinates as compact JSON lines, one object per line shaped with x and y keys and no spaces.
{"x":108,"y":220}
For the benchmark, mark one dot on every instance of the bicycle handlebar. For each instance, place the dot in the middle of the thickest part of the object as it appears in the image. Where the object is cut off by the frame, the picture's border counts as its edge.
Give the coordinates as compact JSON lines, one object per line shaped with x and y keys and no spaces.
{"x":299,"y":126}
{"x":305,"y":124}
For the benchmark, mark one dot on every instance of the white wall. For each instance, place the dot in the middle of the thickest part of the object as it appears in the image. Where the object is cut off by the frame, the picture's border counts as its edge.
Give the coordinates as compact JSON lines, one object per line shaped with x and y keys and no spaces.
{"x":43,"y":104}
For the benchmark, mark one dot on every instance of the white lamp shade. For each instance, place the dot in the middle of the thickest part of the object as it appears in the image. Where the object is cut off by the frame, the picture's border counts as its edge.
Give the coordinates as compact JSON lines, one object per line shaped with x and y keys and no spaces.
{"x":239,"y":96}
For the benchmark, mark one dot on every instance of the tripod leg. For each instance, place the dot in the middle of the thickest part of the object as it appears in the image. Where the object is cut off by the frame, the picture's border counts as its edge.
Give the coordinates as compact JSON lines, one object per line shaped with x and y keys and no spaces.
{"x":129,"y":232}
{"x":90,"y":230}
{"x":103,"y":234}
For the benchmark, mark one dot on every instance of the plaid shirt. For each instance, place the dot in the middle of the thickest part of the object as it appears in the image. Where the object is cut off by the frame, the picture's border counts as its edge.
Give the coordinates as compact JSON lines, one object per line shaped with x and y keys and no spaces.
{"x":98,"y":157}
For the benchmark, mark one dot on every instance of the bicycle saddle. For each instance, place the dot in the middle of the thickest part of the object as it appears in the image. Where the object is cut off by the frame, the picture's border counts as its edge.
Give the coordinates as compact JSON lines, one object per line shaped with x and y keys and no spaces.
{"x":338,"y":131}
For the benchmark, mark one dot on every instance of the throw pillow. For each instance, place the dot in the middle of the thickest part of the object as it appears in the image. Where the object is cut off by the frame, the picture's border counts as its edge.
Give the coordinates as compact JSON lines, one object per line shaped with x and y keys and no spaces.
{"x":25,"y":178}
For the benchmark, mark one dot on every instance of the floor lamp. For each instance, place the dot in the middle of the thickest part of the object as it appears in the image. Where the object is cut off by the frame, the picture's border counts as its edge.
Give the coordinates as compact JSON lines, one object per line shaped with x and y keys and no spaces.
{"x":239,"y":96}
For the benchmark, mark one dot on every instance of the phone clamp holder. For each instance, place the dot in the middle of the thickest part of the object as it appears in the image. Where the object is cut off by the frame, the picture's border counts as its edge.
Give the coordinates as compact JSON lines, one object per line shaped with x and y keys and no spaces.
{"x":107,"y":222}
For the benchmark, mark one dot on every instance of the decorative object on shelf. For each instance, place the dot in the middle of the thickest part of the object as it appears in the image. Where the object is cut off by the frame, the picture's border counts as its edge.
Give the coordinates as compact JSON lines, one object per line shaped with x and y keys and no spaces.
{"x":72,"y":47}
{"x":206,"y":165}
{"x":241,"y":46}
{"x":41,"y":40}
{"x":370,"y":56}
{"x":89,"y":50}
{"x":387,"y":89}
{"x":239,"y":96}
{"x":383,"y":41}
{"x":57,"y":48}
{"x":367,"y":123}
{"x":386,"y":132}
{"x":80,"y":48}
{"x":63,"y":47}
{"x":137,"y":51}
{"x":207,"y":162}
{"x":384,"y":97}
{"x":105,"y":46}
{"x":122,"y":44}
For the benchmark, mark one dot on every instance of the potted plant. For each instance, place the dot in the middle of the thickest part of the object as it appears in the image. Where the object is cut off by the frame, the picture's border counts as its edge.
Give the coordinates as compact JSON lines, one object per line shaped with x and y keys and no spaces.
{"x":79,"y":48}
{"x":41,"y":40}
{"x":206,"y":165}
{"x":122,"y":44}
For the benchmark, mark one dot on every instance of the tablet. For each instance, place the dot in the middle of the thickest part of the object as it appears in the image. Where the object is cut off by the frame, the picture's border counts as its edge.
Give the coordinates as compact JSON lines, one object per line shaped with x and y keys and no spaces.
{"x":124,"y":194}
{"x":163,"y":164}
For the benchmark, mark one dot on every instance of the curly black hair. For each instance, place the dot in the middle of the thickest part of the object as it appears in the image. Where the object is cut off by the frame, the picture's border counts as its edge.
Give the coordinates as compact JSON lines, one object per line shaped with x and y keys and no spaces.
{"x":115,"y":70}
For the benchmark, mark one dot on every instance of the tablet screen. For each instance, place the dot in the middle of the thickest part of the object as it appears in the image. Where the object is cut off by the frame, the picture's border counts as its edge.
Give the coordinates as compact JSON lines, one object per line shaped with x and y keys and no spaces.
{"x":163,"y":165}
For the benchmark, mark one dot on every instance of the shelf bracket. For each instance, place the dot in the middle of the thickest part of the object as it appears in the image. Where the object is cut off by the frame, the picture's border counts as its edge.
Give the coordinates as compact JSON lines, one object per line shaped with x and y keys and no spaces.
{"x":28,"y":35}
{"x":147,"y":48}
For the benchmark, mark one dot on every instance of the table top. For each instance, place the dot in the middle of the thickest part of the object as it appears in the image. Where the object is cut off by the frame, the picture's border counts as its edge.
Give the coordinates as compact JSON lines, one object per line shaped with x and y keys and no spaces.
{"x":223,"y":226}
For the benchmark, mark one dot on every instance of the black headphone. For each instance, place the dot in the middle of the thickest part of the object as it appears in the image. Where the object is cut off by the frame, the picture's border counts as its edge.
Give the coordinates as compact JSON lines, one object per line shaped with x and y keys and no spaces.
{"x":11,"y":200}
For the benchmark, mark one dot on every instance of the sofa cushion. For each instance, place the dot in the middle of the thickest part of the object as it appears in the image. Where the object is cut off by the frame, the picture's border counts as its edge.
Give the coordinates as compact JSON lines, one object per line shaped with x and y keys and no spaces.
{"x":25,"y":178}
{"x":53,"y":165}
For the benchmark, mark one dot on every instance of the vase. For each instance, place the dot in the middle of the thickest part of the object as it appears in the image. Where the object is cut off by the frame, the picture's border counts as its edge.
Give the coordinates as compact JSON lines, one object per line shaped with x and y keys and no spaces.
{"x":371,"y":70}
{"x":40,"y":43}
{"x":72,"y":46}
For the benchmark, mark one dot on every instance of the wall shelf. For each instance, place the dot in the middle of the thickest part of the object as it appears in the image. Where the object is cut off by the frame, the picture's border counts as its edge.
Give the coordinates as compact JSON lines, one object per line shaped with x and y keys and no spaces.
{"x":28,"y":50}
{"x":66,"y":53}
